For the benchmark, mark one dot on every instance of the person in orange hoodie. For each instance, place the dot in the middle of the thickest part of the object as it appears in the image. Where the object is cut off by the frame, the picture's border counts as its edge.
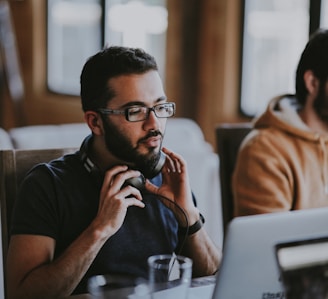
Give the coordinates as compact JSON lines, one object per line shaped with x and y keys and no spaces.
{"x":282,"y":164}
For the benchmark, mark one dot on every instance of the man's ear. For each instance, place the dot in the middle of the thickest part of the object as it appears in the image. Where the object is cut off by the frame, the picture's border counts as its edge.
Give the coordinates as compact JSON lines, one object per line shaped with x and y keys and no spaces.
{"x":94,"y":122}
{"x":311,"y":82}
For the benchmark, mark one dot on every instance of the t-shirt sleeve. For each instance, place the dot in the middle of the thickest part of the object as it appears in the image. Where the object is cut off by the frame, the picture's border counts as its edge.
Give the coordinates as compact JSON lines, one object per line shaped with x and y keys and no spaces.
{"x":35,"y":210}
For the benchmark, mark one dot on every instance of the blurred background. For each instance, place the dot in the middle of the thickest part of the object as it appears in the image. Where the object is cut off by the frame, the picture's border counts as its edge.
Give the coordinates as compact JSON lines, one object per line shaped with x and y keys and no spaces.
{"x":220,"y":60}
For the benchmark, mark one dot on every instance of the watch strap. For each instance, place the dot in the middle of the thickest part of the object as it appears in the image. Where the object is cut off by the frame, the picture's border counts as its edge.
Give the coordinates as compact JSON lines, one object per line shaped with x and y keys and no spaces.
{"x":190,"y":230}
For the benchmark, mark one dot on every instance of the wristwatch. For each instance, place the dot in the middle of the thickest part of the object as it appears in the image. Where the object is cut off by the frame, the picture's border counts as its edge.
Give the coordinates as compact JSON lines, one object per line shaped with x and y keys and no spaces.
{"x":190,"y":230}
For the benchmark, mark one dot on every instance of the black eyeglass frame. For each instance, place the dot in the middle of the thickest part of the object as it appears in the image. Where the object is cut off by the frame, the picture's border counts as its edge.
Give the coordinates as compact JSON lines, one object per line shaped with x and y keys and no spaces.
{"x":107,"y":111}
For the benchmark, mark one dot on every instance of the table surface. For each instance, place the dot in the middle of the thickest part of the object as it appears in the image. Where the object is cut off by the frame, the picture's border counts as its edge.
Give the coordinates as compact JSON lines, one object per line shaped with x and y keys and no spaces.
{"x":201,"y":287}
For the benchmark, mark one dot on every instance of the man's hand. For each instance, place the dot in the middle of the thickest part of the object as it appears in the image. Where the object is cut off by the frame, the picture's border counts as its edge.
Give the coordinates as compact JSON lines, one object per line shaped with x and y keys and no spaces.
{"x":115,"y":200}
{"x":176,"y":187}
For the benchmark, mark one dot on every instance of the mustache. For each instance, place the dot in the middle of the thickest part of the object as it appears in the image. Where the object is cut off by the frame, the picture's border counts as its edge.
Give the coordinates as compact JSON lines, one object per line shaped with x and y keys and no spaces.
{"x":153,"y":133}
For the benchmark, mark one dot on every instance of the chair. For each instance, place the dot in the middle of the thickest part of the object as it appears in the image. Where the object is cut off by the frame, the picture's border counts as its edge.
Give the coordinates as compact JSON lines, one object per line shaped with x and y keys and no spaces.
{"x":5,"y":140}
{"x":229,"y":137}
{"x":13,"y":166}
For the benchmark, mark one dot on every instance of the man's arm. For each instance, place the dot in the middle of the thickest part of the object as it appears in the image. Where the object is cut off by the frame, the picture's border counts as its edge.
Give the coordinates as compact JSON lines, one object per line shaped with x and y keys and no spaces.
{"x":175,"y":187}
{"x":204,"y":253}
{"x":32,"y":270}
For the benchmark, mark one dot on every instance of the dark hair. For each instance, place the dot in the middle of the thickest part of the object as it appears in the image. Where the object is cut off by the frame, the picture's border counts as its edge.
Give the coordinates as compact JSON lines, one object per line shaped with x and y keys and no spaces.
{"x":314,"y":58}
{"x":106,"y":64}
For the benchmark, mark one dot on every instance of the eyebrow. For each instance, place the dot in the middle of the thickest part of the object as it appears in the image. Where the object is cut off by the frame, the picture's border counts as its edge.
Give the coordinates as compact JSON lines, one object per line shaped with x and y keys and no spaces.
{"x":140,"y":103}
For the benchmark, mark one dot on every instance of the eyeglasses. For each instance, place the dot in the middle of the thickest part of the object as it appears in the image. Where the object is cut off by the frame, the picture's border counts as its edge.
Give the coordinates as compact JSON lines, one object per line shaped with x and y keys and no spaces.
{"x":139,"y":113}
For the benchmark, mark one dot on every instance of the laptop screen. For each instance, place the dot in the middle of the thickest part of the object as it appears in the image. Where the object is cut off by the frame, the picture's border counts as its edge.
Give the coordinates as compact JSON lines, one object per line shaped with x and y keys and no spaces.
{"x":303,"y":267}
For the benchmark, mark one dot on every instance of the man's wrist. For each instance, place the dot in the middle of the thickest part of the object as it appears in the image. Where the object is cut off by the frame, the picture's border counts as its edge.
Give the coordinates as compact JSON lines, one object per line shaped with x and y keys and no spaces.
{"x":194,"y":228}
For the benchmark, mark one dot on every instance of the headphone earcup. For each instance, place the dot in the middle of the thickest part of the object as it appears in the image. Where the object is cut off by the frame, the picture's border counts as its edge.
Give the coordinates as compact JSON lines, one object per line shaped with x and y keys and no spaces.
{"x":157,"y":169}
{"x":138,"y":182}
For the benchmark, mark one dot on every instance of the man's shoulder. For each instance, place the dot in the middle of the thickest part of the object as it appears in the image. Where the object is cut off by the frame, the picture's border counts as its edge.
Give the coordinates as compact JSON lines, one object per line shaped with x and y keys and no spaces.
{"x":62,"y":165}
{"x":267,"y":138}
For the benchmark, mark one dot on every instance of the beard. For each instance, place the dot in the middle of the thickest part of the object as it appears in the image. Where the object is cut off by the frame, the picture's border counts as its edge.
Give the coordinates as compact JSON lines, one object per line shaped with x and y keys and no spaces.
{"x":120,"y":146}
{"x":320,"y":103}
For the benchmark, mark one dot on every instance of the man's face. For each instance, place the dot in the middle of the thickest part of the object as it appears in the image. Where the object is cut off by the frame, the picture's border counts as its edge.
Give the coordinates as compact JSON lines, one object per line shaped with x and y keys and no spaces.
{"x":139,"y":142}
{"x":321,"y":102}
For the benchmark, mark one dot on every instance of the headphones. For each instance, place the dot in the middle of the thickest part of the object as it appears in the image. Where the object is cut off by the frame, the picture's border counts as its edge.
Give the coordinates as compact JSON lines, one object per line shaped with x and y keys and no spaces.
{"x":86,"y":161}
{"x":137,"y":182}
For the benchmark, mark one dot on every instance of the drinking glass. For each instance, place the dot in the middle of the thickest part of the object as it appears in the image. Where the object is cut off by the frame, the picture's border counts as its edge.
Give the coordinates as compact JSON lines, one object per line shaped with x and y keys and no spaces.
{"x":169,"y":276}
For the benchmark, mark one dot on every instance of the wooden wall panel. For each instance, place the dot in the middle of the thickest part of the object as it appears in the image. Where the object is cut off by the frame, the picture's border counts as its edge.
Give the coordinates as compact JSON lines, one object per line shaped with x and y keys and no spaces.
{"x":219,"y":65}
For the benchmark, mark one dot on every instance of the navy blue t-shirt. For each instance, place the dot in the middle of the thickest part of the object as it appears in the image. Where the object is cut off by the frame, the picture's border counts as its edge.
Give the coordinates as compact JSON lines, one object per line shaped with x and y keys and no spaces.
{"x":60,"y":199}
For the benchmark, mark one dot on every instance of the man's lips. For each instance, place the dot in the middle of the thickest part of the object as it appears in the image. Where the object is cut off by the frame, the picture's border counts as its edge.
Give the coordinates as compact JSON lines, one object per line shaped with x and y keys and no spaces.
{"x":152,"y":141}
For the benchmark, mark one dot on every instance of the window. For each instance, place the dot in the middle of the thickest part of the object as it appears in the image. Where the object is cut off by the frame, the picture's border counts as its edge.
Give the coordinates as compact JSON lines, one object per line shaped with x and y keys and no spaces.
{"x":138,"y":24}
{"x":77,"y":29}
{"x":74,"y":33}
{"x":324,"y":14}
{"x":275,"y":32}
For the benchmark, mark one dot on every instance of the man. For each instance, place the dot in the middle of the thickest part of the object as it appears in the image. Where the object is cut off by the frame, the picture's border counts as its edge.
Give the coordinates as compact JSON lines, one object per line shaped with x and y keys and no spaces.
{"x":77,"y":217}
{"x":283,"y":163}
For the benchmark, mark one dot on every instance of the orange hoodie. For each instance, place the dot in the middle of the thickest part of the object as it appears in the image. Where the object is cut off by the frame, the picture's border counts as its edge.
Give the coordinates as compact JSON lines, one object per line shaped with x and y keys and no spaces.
{"x":282,"y":164}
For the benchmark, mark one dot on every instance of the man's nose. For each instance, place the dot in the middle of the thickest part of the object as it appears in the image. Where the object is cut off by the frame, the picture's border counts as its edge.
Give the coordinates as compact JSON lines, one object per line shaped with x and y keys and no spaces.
{"x":152,"y":121}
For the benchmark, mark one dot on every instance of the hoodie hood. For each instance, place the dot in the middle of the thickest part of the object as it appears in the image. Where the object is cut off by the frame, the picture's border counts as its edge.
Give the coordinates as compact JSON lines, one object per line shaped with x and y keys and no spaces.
{"x":282,"y":113}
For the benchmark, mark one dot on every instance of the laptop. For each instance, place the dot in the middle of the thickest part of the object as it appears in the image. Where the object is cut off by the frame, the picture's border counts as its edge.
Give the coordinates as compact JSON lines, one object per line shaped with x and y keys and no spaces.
{"x":249,"y":267}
